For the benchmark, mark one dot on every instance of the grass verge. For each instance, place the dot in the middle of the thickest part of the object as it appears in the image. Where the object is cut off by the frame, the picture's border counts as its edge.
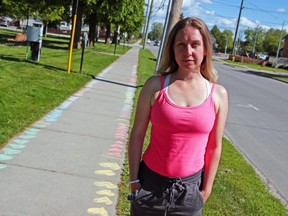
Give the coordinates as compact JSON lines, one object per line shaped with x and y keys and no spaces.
{"x":237,"y":190}
{"x":283,"y":78}
{"x":29,"y":90}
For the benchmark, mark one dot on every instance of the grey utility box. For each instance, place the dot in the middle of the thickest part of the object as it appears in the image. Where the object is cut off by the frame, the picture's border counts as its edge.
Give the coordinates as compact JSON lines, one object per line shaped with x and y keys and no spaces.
{"x":34,"y":36}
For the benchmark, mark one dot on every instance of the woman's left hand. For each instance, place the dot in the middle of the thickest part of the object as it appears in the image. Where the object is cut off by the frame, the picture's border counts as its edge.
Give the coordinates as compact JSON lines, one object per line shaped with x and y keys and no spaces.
{"x":204,"y":195}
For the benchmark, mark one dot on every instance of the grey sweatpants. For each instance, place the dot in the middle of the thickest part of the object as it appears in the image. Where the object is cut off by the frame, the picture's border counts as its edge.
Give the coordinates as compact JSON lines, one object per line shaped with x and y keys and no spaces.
{"x":162,"y":196}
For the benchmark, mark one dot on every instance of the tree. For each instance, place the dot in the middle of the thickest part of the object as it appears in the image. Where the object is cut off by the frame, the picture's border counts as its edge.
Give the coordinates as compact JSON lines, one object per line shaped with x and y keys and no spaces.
{"x":226,"y":35}
{"x":271,"y":40}
{"x":128,"y":15}
{"x":216,"y":33}
{"x":250,"y":36}
{"x":156,"y":32}
{"x":46,"y":10}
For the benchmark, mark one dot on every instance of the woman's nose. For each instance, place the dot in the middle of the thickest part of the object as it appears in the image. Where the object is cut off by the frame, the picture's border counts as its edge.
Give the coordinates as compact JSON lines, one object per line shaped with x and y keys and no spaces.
{"x":188,"y":49}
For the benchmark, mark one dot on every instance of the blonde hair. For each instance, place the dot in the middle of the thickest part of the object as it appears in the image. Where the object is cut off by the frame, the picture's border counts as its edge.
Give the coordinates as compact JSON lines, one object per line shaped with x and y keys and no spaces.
{"x":168,"y":63}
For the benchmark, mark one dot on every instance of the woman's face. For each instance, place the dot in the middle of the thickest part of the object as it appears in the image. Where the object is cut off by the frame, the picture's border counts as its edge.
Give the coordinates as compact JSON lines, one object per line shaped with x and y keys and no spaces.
{"x":189,"y":49}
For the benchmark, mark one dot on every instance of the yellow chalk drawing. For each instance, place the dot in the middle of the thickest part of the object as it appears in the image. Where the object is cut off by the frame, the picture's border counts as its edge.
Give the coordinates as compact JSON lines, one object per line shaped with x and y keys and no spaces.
{"x":105,"y":172}
{"x":105,"y":192}
{"x":108,"y":185}
{"x":97,"y":211}
{"x":113,"y":166}
{"x":104,"y":200}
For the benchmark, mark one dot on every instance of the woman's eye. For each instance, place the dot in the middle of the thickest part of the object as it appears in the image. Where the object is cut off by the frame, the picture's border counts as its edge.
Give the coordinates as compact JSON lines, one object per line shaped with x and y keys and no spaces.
{"x":195,"y":45}
{"x":181,"y":46}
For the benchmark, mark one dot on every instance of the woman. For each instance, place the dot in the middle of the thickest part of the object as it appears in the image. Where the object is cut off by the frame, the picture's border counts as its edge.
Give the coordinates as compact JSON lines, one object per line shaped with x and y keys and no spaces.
{"x":188,"y":111}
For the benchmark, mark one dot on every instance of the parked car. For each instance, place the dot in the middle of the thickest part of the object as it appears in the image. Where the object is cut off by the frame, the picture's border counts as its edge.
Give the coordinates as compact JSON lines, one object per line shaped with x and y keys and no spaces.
{"x":148,"y":41}
{"x":4,"y":22}
{"x":263,"y":56}
{"x":249,"y":54}
{"x":65,"y":26}
{"x":156,"y":43}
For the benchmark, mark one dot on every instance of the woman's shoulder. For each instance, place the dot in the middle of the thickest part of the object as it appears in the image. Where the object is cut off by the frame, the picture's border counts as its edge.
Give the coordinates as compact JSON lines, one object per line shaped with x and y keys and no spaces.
{"x":220,"y":90}
{"x":153,"y":82}
{"x":220,"y":95}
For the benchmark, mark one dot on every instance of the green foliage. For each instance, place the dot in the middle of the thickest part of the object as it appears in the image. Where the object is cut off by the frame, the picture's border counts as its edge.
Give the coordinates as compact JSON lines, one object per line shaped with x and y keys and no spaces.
{"x":216,"y":32}
{"x":133,"y":16}
{"x":221,"y":38}
{"x":271,"y":40}
{"x":156,"y":32}
{"x":47,"y":10}
{"x":128,"y":14}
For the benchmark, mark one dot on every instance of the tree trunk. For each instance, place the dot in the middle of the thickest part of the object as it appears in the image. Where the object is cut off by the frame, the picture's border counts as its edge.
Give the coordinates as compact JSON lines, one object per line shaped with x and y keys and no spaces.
{"x":45,"y":29}
{"x":92,"y":29}
{"x":108,"y":33}
{"x":76,"y":42}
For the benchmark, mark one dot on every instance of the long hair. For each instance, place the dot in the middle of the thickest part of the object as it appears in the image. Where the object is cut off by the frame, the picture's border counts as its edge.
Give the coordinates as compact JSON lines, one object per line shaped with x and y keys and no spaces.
{"x":168,"y":63}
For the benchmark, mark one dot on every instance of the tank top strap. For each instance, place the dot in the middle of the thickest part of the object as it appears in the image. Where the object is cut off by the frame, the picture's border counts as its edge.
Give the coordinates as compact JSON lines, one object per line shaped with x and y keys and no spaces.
{"x":212,"y":88}
{"x":162,"y":79}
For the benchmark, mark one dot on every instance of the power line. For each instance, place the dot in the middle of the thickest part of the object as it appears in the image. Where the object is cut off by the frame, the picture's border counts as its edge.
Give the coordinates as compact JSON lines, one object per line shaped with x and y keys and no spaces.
{"x":269,"y":12}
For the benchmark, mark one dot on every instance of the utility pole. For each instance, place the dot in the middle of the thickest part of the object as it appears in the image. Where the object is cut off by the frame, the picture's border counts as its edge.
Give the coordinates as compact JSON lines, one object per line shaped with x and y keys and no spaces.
{"x":255,"y":39}
{"x":145,"y":32}
{"x":226,"y":44}
{"x":148,"y":21}
{"x":236,"y":32}
{"x":174,"y":14}
{"x":172,"y":17}
{"x":280,"y":39}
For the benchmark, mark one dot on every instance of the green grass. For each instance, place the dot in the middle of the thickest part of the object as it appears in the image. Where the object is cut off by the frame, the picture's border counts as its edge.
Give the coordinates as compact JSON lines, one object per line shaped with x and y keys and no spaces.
{"x":237,"y":189}
{"x":29,"y":90}
{"x":110,"y":48}
{"x":256,"y":66}
{"x":283,"y":78}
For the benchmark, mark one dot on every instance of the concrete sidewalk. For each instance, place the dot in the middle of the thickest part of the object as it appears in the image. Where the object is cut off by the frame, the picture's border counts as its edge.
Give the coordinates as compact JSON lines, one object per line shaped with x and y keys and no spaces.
{"x":70,"y":161}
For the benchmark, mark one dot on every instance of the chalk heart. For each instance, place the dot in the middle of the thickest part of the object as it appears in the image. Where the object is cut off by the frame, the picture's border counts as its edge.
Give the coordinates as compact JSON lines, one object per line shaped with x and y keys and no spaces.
{"x":106,"y":184}
{"x":97,"y":211}
{"x":105,"y":172}
{"x":113,"y":166}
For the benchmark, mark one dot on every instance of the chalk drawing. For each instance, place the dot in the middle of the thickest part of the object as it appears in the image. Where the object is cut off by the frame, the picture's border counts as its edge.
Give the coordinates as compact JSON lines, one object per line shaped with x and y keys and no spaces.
{"x":105,"y":193}
{"x":5,"y":157}
{"x":20,"y":141}
{"x":11,"y":151}
{"x":113,"y":166}
{"x":106,"y":184}
{"x":105,"y":172}
{"x":2,"y":166}
{"x":104,"y":200}
{"x":17,"y":146}
{"x":97,"y":211}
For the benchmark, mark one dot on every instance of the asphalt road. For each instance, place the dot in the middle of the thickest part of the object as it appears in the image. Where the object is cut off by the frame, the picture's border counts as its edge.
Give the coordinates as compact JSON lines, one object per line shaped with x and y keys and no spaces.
{"x":258,"y":123}
{"x":153,"y":49}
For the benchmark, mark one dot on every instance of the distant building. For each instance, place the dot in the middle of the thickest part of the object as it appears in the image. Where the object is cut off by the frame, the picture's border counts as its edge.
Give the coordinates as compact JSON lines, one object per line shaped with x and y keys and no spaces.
{"x":29,"y":22}
{"x":285,"y":47}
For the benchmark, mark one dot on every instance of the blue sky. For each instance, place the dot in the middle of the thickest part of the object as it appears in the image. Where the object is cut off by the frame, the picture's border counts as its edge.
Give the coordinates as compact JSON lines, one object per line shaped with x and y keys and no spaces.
{"x":224,"y":13}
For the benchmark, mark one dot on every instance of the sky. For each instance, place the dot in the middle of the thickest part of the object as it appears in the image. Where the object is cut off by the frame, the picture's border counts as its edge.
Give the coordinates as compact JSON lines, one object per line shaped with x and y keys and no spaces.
{"x":224,"y":13}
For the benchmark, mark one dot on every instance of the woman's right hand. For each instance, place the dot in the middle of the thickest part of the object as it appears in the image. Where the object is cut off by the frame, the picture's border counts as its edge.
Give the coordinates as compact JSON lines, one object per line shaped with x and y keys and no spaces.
{"x":135,"y":186}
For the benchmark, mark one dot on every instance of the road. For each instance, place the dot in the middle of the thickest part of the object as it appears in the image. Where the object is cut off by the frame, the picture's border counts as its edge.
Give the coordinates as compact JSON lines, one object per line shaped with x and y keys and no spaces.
{"x":258,"y":123}
{"x":153,"y":49}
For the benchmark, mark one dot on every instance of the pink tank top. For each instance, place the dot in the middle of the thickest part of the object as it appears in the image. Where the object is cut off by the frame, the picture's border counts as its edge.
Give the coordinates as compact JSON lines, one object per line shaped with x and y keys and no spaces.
{"x":178,"y":136}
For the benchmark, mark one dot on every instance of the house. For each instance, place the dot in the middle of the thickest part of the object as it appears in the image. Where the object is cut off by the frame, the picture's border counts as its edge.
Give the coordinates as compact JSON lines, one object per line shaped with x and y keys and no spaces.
{"x":285,"y":47}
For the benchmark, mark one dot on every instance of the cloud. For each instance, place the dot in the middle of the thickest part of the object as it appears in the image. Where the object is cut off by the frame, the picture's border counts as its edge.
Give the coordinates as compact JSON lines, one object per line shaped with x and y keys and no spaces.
{"x":281,"y":10}
{"x":248,"y":23}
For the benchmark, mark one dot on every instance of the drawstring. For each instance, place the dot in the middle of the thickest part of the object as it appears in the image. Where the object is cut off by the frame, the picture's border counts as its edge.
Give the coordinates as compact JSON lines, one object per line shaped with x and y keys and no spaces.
{"x":177,"y":186}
